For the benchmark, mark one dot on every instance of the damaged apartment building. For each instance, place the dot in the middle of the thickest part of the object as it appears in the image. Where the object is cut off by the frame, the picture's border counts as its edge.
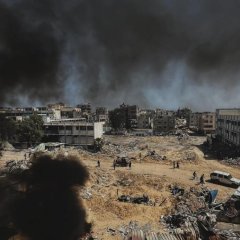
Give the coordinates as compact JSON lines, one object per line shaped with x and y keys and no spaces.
{"x":101,"y":114}
{"x":228,"y":126}
{"x":19,"y":114}
{"x":73,"y":131}
{"x":204,"y":122}
{"x":124,"y":117}
{"x":163,"y":121}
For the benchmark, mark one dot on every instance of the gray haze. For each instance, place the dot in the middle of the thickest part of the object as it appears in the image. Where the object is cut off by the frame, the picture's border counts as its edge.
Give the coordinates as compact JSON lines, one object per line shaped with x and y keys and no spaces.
{"x":165,"y":53}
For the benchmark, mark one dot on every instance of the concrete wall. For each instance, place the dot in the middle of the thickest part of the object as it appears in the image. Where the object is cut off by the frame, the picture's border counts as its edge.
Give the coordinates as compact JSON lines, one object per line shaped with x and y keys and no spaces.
{"x":98,"y":130}
{"x":228,"y":125}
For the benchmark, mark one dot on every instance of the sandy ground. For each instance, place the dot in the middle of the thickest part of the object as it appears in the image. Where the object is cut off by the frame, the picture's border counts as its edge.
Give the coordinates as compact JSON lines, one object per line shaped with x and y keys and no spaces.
{"x":147,"y":176}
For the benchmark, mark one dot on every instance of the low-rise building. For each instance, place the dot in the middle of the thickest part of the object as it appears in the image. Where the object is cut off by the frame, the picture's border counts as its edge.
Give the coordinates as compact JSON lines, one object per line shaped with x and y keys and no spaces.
{"x":228,"y":125}
{"x":73,"y":131}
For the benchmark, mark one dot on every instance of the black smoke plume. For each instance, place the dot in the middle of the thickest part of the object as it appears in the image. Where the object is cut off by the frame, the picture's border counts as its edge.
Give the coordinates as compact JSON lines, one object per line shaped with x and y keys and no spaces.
{"x":48,"y":206}
{"x":109,"y":51}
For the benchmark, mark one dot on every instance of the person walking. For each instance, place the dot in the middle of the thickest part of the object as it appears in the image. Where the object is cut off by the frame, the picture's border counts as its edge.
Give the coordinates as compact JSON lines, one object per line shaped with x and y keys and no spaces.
{"x":194,"y":175}
{"x":114,"y":164}
{"x":202,"y":179}
{"x":98,"y":163}
{"x":177,"y":164}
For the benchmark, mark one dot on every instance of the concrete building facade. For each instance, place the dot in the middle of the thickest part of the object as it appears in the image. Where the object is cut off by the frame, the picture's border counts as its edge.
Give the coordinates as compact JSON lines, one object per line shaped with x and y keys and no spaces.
{"x":204,"y":122}
{"x":73,"y":131}
{"x":228,"y":125}
{"x":163,"y":123}
{"x":208,"y":122}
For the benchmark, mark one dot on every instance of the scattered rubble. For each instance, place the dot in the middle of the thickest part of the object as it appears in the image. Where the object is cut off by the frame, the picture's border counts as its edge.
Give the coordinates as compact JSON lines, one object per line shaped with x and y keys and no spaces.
{"x":136,"y":199}
{"x":16,"y":167}
{"x":232,"y":161}
{"x":155,"y":156}
{"x":6,"y":146}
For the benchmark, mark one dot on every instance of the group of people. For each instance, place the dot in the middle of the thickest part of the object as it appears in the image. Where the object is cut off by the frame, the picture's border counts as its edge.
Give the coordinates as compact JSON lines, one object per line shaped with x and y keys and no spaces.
{"x":29,"y":155}
{"x":176,"y":164}
{"x":202,"y":181}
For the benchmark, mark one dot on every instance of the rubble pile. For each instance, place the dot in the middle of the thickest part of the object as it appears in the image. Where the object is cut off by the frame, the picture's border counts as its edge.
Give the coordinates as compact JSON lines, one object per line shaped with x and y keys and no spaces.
{"x":125,"y":181}
{"x":155,"y":156}
{"x":127,"y":230}
{"x":136,"y":199}
{"x":101,"y":178}
{"x":232,"y":161}
{"x":86,"y":193}
{"x":114,"y":149}
{"x":190,"y":156}
{"x":138,"y":180}
{"x":16,"y":167}
{"x":6,"y":146}
{"x":228,"y":234}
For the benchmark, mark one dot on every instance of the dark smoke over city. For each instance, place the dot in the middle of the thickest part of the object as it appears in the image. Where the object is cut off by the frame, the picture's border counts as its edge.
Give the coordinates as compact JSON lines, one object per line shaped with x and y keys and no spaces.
{"x":42,"y":202}
{"x":165,"y":53}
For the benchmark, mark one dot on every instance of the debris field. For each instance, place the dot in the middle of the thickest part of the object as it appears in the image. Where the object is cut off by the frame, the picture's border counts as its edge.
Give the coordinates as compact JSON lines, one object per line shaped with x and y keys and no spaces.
{"x":138,"y":200}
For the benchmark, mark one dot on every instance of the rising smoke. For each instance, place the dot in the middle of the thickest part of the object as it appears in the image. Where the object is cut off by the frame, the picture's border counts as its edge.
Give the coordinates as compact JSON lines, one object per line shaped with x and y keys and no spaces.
{"x":113,"y":51}
{"x":48,"y":206}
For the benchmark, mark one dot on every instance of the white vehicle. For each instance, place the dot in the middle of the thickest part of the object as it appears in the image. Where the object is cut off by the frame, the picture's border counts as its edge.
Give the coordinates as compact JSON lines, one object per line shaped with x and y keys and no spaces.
{"x":236,"y":194}
{"x":224,"y":178}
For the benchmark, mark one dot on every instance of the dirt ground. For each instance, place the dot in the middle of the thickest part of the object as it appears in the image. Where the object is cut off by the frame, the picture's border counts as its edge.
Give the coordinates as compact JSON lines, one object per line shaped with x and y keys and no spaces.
{"x":146,"y":176}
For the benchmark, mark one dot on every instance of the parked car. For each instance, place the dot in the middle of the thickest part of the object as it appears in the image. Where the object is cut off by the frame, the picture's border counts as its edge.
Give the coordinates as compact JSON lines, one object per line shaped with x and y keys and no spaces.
{"x":224,"y":178}
{"x":236,"y":194}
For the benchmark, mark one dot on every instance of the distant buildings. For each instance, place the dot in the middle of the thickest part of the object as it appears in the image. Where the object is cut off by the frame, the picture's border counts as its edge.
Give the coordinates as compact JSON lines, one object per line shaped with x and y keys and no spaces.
{"x":163,"y":121}
{"x":228,"y":125}
{"x":65,"y":119}
{"x":124,"y":117}
{"x":101,"y":114}
{"x":204,"y":122}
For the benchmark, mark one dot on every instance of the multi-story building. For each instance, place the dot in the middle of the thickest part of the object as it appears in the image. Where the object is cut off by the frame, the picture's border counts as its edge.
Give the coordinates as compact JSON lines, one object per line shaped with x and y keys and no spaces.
{"x":73,"y":131}
{"x":85,"y":108}
{"x":145,"y":119}
{"x":208,"y":122}
{"x":164,"y":112}
{"x":163,"y":123}
{"x":228,"y":125}
{"x":124,"y":117}
{"x":20,"y":114}
{"x":101,"y":114}
{"x":70,"y":112}
{"x":204,"y":122}
{"x":194,"y":121}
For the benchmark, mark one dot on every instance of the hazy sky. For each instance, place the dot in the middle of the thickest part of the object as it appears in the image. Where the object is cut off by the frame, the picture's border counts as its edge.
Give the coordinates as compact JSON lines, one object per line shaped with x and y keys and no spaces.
{"x":158,"y":53}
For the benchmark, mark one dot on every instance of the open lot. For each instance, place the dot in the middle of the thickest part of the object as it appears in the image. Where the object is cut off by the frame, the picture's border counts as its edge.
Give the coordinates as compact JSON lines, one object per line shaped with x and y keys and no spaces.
{"x":148,"y":175}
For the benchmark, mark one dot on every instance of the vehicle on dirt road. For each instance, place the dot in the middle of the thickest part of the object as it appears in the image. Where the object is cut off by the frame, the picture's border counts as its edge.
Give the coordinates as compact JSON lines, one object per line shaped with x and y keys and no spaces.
{"x":122,"y":161}
{"x":224,"y":178}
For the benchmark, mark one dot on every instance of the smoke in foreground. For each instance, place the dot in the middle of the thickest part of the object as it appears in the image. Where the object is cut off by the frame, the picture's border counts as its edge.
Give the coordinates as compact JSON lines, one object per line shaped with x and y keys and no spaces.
{"x":48,"y":206}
